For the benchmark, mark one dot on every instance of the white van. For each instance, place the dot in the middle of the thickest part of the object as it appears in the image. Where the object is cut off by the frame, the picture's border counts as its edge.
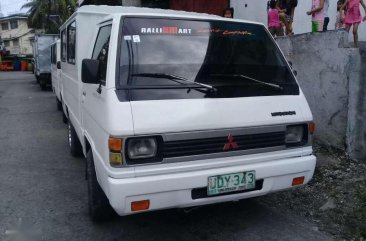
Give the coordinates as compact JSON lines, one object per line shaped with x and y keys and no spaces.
{"x":56,"y":71}
{"x":175,"y":109}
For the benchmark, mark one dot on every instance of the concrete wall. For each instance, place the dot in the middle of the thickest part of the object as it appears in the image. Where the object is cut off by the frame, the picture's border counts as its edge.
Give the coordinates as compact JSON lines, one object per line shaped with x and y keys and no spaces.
{"x":356,"y":131}
{"x":332,"y":78}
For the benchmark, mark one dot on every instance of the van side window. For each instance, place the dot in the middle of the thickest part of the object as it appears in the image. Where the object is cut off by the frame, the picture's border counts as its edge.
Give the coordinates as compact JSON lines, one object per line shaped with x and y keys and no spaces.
{"x":101,"y":49}
{"x":63,"y":45}
{"x":71,"y":41}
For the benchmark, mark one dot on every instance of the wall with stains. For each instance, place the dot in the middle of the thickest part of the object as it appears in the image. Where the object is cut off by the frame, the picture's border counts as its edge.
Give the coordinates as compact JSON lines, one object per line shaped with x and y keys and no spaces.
{"x":356,"y":129}
{"x":330,"y":75}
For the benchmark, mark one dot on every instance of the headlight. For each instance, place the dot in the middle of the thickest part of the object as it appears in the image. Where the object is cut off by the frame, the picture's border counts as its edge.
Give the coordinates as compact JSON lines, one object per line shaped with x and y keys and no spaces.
{"x":294,"y":134}
{"x":140,"y":148}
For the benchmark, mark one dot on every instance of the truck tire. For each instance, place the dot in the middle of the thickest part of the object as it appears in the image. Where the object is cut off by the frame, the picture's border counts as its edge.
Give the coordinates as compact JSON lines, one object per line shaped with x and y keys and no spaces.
{"x":99,"y":208}
{"x":58,"y":104}
{"x":64,"y":118}
{"x":74,"y":143}
{"x":43,"y":86}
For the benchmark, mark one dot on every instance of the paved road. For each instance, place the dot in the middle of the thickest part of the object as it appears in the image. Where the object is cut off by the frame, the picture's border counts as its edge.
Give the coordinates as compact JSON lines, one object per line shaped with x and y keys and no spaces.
{"x":43,"y":187}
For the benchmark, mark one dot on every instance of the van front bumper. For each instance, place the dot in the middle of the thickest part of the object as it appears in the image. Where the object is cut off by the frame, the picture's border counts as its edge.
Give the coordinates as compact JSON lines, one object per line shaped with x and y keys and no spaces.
{"x":174,"y":190}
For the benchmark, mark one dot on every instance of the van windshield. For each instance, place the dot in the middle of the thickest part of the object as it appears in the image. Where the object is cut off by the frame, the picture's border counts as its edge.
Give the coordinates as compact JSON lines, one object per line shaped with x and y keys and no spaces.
{"x":200,"y":59}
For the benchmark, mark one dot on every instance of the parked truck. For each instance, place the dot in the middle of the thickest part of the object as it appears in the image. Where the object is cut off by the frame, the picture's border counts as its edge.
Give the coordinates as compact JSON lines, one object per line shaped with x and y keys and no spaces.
{"x":175,"y":109}
{"x":42,"y":58}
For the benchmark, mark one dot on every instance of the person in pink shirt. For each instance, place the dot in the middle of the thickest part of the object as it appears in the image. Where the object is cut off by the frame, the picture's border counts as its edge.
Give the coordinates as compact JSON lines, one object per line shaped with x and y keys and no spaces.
{"x":317,"y":13}
{"x":353,"y":17}
{"x":274,"y":24}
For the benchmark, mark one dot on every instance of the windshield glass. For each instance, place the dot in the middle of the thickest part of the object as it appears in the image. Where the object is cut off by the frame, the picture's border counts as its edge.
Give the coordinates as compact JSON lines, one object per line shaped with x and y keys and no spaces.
{"x":217,"y":53}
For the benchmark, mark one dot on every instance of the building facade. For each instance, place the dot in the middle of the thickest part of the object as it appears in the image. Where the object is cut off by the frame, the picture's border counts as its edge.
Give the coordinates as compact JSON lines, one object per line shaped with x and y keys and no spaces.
{"x":15,"y":36}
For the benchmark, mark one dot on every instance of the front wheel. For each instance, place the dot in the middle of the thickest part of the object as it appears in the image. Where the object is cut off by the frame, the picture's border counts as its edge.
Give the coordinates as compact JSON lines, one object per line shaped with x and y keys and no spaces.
{"x":65,"y":120}
{"x":58,"y":104}
{"x":74,"y":143}
{"x":43,"y":86}
{"x":98,"y":203}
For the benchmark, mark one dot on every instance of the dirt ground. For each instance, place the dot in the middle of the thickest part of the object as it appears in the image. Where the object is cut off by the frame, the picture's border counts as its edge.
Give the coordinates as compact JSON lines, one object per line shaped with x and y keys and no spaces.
{"x":335,"y":199}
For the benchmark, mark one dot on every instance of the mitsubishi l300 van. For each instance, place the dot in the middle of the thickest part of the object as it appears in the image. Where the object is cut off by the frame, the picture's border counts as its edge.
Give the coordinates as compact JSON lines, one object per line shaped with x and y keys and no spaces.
{"x":175,"y":109}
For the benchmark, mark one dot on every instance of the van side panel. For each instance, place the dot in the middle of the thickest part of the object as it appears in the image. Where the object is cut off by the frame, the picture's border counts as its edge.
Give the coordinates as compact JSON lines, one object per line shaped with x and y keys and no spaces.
{"x":86,"y":31}
{"x":70,"y":85}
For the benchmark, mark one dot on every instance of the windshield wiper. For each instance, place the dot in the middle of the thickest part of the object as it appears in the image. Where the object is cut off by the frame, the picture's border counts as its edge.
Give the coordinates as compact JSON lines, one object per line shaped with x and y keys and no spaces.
{"x":274,"y":86}
{"x":175,"y":79}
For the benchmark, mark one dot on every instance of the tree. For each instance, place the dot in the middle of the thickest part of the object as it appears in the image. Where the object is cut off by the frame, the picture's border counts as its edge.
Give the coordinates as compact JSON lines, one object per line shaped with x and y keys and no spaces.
{"x":49,"y":14}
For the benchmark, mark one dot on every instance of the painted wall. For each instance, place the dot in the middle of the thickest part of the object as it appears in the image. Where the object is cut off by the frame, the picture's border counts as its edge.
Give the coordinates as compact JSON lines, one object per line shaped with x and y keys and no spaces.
{"x":256,"y":10}
{"x":332,"y":77}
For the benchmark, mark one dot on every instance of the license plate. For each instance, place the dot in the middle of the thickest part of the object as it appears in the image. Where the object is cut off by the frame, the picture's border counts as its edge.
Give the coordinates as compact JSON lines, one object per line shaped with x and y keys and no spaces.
{"x":231,"y":183}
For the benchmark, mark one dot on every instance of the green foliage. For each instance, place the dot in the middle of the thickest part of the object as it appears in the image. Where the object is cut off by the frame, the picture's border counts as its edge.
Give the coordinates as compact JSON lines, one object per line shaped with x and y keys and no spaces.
{"x":49,"y":14}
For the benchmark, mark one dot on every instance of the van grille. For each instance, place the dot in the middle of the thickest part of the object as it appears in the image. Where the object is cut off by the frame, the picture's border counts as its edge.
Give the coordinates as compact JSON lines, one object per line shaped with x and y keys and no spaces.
{"x":216,"y":145}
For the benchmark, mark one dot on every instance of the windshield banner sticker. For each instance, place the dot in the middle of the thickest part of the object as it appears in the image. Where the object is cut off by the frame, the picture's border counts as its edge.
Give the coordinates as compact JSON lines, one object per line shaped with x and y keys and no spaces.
{"x":166,"y":30}
{"x":189,"y":31}
{"x":225,"y":32}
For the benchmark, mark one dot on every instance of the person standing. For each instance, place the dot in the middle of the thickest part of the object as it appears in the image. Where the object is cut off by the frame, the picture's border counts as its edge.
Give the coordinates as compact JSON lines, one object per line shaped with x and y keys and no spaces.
{"x":287,"y":10}
{"x":274,"y":24}
{"x":339,"y":25}
{"x":292,"y":4}
{"x":317,"y":13}
{"x":353,"y":17}
{"x":228,"y":13}
{"x":326,"y":16}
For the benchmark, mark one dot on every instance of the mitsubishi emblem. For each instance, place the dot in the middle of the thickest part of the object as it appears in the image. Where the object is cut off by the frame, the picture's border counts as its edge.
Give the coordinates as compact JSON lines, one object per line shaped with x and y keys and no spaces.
{"x":231,"y":143}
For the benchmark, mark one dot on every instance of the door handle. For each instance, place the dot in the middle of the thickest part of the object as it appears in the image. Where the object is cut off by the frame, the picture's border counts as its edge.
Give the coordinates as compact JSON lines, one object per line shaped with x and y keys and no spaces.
{"x":84,"y":93}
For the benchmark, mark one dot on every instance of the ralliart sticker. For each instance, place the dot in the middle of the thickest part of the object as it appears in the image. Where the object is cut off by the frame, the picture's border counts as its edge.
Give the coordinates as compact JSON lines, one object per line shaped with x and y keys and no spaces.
{"x":166,"y":30}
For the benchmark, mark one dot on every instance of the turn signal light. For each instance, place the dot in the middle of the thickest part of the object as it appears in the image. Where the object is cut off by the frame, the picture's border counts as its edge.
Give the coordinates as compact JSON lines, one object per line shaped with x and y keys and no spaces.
{"x":311,"y":127}
{"x":140,"y":205}
{"x":115,"y":159}
{"x":115,"y":144}
{"x":298,"y":181}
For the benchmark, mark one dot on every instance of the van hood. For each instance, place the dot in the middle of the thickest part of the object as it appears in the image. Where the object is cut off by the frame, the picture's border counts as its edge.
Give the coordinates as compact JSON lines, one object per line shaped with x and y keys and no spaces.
{"x":172,"y":116}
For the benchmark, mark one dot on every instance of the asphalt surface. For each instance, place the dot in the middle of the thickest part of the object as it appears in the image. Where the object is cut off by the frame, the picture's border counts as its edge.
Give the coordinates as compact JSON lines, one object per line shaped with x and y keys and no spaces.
{"x":43,"y":192}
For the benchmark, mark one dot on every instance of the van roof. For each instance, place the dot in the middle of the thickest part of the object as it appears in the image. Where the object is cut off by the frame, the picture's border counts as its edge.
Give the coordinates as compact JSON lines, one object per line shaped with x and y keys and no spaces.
{"x":119,"y":11}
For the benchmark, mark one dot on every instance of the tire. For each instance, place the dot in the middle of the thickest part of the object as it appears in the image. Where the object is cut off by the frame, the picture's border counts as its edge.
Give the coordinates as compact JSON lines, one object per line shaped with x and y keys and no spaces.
{"x":74,"y":143}
{"x":43,"y":86}
{"x":64,"y":117}
{"x":99,"y":208}
{"x":58,"y":104}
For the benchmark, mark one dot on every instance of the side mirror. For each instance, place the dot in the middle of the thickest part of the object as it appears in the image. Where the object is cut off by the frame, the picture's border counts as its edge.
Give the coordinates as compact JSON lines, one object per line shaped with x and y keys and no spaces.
{"x":58,"y":65}
{"x":290,"y":63}
{"x":295,"y":72}
{"x":90,"y":71}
